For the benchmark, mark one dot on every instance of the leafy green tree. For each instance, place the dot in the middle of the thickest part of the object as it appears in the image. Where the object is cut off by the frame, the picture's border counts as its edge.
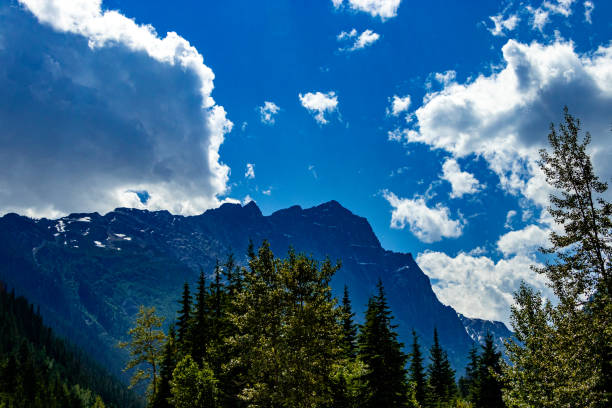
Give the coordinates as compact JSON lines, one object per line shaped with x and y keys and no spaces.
{"x":563,"y":356}
{"x":417,"y":371}
{"x":145,"y":348}
{"x":382,"y":352}
{"x":440,"y":376}
{"x":349,"y":328}
{"x":488,"y":388}
{"x":193,"y":386}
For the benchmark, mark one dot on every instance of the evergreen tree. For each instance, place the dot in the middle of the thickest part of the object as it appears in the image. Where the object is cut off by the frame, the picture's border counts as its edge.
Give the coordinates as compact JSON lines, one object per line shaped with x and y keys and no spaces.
{"x":167,"y":366}
{"x":489,"y":388}
{"x":563,"y":353}
{"x":200,"y":326}
{"x":440,"y":376}
{"x":349,"y":328}
{"x":184,"y":319}
{"x":469,"y":383}
{"x":417,"y":371}
{"x":193,"y":386}
{"x":380,"y":350}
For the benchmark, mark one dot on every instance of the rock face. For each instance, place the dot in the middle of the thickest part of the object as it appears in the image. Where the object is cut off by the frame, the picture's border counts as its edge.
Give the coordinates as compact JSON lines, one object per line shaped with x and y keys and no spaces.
{"x":477,"y":329}
{"x":89,"y":273}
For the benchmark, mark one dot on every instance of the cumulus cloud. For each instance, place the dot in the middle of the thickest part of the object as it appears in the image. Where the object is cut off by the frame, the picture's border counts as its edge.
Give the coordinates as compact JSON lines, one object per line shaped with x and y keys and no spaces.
{"x":563,"y":7}
{"x":365,"y":39}
{"x":384,"y":9}
{"x":588,"y":10}
{"x":250,"y":171}
{"x":399,"y":104}
{"x":523,"y":242}
{"x":501,"y":24}
{"x":267,"y":112}
{"x":427,"y":224}
{"x":461,"y":182}
{"x":509,"y":217}
{"x":504,"y":117}
{"x":477,"y":286}
{"x":539,"y":17}
{"x":96,"y":108}
{"x":319,"y":103}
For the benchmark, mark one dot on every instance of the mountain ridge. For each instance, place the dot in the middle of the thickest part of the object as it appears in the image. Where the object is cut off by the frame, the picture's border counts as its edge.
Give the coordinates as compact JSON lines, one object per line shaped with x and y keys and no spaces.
{"x":89,"y":272}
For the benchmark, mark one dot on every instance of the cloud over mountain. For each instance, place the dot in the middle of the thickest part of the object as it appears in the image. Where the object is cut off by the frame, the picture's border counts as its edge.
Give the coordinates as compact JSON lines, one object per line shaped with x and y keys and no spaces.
{"x":98,"y":107}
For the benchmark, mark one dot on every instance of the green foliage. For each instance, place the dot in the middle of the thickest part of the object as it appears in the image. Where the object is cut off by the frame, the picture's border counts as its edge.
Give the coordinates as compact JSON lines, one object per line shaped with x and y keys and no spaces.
{"x":38,"y":369}
{"x":349,"y":328}
{"x":440,"y":377}
{"x":145,"y":348}
{"x":417,"y":371}
{"x":382,"y":352}
{"x":563,"y":353}
{"x":193,"y":386}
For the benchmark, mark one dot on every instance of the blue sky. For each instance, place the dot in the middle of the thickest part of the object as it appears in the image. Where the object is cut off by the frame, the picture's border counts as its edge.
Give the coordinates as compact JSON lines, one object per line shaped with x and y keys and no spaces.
{"x":424,"y":117}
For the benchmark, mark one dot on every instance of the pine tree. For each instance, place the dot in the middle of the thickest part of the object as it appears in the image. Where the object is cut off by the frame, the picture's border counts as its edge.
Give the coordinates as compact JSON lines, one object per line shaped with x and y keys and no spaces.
{"x":417,"y":371}
{"x":200,"y":326}
{"x":469,"y":383}
{"x":380,"y":350}
{"x":489,"y":388}
{"x":563,"y":353}
{"x":349,"y":328}
{"x":184,"y":320}
{"x":440,"y":375}
{"x":167,"y":366}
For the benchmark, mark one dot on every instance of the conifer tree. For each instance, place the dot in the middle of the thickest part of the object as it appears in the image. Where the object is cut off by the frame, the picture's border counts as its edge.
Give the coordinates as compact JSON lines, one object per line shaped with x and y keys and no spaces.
{"x":440,"y":375}
{"x":349,"y":328}
{"x":469,"y":383}
{"x":380,"y":350}
{"x":184,"y":319}
{"x":417,"y":371}
{"x":167,"y":366}
{"x":488,"y":387}
{"x":200,"y":326}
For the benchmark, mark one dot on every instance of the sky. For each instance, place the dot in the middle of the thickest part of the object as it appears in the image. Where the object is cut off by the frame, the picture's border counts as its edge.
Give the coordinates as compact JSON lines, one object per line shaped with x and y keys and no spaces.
{"x":424,"y":117}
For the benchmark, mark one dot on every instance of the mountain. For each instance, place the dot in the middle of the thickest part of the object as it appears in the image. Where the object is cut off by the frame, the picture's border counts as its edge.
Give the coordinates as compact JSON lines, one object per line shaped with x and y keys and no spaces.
{"x":38,"y":369}
{"x":89,"y":273}
{"x":477,"y":329}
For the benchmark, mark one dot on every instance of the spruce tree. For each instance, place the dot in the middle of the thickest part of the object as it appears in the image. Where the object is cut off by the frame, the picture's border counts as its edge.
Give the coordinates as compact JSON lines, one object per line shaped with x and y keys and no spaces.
{"x":380,"y":350}
{"x":184,"y":320}
{"x":440,"y":375}
{"x":349,"y":328}
{"x":167,"y":366}
{"x":417,"y":371}
{"x":489,"y":388}
{"x":469,"y":383}
{"x":200,"y":326}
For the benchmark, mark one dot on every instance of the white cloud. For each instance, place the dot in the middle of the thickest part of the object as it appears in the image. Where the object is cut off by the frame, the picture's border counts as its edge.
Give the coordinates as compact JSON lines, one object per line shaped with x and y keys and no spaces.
{"x":319,"y":104}
{"x":588,"y":11}
{"x":504,"y":117}
{"x":250,"y":171}
{"x":563,"y":7}
{"x":539,"y":17}
{"x":445,"y":78}
{"x":427,"y":224}
{"x":86,"y":127}
{"x":399,"y":104}
{"x":267,"y":192}
{"x":476,"y":286}
{"x":461,"y":182}
{"x":502,"y":24}
{"x":365,"y":39}
{"x":312,"y":169}
{"x":509,"y":217}
{"x":376,"y":8}
{"x":267,"y":112}
{"x":523,"y":242}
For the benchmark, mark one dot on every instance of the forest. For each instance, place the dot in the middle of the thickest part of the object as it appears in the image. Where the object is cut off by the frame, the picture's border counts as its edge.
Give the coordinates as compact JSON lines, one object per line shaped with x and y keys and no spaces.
{"x":271,"y":334}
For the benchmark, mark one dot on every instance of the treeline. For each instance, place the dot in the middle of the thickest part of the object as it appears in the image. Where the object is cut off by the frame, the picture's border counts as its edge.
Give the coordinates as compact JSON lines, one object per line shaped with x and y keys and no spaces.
{"x":272,"y":335}
{"x":38,"y":369}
